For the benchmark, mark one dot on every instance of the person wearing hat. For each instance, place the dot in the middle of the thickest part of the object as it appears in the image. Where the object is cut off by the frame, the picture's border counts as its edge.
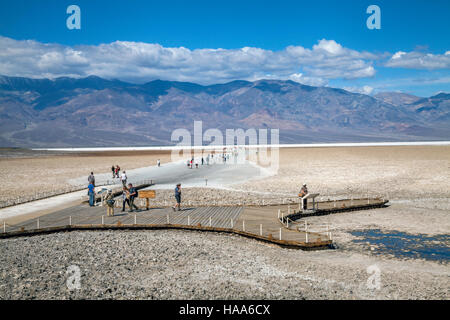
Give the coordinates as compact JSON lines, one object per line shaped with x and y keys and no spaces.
{"x":177,"y":197}
{"x":303,"y":192}
{"x":109,"y":200}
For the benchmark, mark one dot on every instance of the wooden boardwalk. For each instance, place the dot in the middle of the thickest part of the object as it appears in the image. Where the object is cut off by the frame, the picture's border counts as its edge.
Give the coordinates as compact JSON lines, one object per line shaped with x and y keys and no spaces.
{"x":260,"y":222}
{"x":85,"y":215}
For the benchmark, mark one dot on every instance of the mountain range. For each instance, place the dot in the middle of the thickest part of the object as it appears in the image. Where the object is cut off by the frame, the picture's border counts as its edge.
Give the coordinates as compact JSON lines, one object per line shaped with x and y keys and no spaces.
{"x":87,"y":112}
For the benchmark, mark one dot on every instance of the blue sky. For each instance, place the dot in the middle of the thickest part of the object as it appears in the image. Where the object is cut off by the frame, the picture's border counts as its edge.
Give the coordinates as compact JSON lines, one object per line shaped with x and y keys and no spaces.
{"x":333,"y":33}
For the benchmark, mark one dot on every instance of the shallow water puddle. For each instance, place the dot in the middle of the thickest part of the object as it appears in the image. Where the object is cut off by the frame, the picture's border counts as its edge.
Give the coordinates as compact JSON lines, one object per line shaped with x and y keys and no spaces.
{"x":406,"y":245}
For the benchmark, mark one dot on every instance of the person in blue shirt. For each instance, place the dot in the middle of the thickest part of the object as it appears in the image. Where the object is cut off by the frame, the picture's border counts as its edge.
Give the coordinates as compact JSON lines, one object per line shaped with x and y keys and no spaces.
{"x":177,"y":197}
{"x":91,"y":193}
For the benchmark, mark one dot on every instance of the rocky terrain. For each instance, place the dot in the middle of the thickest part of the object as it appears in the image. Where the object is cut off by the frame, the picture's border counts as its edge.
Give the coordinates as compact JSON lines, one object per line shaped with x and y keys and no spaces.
{"x":192,"y":265}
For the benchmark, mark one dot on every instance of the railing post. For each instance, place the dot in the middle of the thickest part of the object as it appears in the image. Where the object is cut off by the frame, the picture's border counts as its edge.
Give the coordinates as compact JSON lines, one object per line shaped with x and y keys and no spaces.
{"x":306,"y":234}
{"x":260,"y":229}
{"x":279,"y":213}
{"x":280,"y":233}
{"x":210,"y":221}
{"x":4,"y":227}
{"x":103,"y":220}
{"x":38,"y":223}
{"x":168,"y":221}
{"x":231,"y":223}
{"x":135,"y":219}
{"x":70,"y":220}
{"x":243,"y":225}
{"x":189,"y":220}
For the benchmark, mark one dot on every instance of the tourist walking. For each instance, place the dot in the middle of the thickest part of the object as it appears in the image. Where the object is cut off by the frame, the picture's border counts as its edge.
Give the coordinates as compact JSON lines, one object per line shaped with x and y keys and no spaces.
{"x":133,"y":195}
{"x":91,"y":178}
{"x":109,"y":200}
{"x":91,"y":193}
{"x":125,"y":198}
{"x":113,"y":169}
{"x":177,"y":198}
{"x":124,"y":178}
{"x":159,"y":163}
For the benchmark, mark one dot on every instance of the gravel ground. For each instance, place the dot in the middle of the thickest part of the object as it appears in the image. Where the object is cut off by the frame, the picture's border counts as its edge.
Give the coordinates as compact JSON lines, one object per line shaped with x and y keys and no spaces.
{"x":194,"y":265}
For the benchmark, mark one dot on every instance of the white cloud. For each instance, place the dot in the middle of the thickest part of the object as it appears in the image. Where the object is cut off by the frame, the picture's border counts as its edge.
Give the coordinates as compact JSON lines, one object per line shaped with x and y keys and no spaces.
{"x":363,"y":90}
{"x":140,"y":62}
{"x":419,"y":60}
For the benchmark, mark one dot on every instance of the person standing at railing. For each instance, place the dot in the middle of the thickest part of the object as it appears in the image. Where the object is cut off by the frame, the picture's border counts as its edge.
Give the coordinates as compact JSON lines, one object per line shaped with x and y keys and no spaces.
{"x":91,"y":193}
{"x":303,"y":192}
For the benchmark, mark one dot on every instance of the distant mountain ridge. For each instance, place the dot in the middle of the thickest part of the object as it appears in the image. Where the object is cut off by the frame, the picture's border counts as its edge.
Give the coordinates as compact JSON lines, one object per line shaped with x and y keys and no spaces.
{"x":92,"y":111}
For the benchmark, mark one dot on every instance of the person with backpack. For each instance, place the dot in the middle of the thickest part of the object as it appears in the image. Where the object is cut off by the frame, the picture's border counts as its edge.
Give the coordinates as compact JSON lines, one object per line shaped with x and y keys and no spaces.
{"x":133,"y":195}
{"x":109,"y":200}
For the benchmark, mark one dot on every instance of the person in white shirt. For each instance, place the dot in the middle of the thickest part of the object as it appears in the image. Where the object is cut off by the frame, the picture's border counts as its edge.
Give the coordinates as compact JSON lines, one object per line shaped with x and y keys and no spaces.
{"x":123,"y":178}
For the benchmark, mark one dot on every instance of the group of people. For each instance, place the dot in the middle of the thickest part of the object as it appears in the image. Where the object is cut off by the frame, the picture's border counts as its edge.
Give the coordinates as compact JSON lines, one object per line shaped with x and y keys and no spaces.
{"x":115,"y":171}
{"x":128,"y":195}
{"x":209,"y":159}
